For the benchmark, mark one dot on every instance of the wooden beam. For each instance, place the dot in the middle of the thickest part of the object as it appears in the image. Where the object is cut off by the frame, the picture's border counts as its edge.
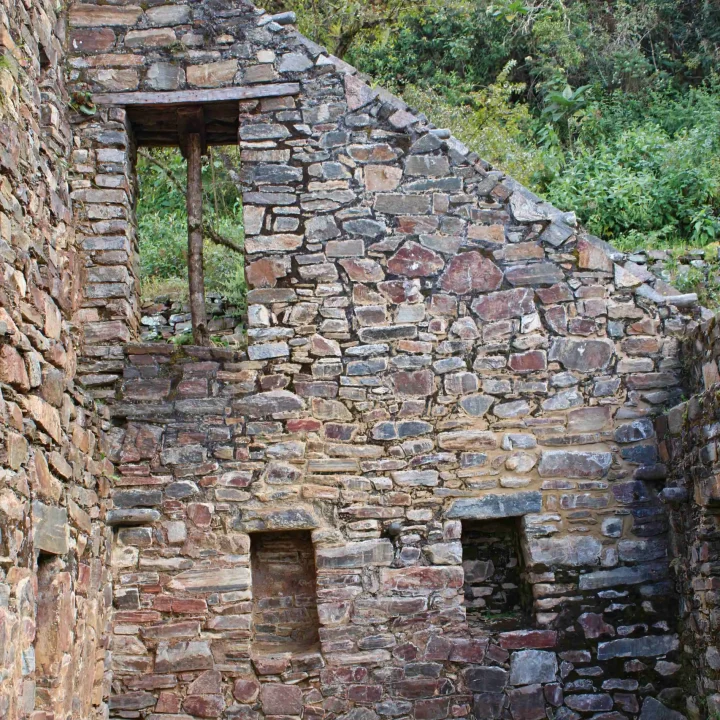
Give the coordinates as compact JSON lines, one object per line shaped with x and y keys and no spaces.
{"x":196,"y":273}
{"x":192,"y":97}
{"x":191,"y":120}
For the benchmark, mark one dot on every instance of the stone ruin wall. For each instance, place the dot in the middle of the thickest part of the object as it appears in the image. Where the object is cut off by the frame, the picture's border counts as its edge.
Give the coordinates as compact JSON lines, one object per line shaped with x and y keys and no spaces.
{"x":688,"y":437}
{"x":55,"y":588}
{"x":439,"y":365}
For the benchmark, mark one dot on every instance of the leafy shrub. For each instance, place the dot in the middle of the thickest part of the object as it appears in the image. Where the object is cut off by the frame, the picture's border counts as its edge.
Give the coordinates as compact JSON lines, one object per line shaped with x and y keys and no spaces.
{"x":659,"y":177}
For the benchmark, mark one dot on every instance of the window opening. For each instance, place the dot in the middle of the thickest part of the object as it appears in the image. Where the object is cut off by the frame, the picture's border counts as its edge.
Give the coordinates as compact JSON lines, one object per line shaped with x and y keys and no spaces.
{"x":162,"y":222}
{"x":495,"y":586}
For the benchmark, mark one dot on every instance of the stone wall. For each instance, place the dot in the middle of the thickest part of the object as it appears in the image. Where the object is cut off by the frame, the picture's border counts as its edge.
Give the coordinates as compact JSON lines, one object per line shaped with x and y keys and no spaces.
{"x":164,"y":319}
{"x":54,"y":583}
{"x":436,"y":358}
{"x":689,"y":443}
{"x":430,"y":346}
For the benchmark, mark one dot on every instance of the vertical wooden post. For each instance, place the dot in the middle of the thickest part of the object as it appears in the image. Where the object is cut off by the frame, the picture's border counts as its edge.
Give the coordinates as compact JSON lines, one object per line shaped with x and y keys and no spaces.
{"x":196,"y":275}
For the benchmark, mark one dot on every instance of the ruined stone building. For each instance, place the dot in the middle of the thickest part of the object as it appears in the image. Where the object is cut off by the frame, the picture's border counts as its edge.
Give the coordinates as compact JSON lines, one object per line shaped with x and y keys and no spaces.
{"x":451,"y":477}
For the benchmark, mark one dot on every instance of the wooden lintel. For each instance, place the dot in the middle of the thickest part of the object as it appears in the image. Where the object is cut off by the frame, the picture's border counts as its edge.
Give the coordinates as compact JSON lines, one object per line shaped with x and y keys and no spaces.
{"x":193,"y":97}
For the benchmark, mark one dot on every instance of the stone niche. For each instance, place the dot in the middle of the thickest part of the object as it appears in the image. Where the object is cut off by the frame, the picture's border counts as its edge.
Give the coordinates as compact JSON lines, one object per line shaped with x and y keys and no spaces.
{"x":495,"y":589}
{"x":284,"y":612}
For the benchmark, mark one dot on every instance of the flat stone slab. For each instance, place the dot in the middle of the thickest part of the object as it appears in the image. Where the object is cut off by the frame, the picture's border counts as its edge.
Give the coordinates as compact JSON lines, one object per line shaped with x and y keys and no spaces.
{"x":653,"y":709}
{"x":212,"y":580}
{"x":648,"y":646}
{"x":50,"y":528}
{"x":496,"y":506}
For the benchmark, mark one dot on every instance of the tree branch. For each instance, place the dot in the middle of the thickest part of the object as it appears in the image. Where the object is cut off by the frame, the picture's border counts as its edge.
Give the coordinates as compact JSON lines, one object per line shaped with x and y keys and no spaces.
{"x":219,"y":239}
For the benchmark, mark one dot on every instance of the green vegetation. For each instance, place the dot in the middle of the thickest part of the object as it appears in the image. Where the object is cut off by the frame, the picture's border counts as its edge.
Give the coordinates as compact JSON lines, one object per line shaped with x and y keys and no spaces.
{"x":162,"y":224}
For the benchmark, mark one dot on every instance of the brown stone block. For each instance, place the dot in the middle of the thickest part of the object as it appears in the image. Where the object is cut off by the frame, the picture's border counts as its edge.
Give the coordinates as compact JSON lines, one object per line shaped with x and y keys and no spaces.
{"x":12,"y":368}
{"x":204,"y":706}
{"x":212,"y":74}
{"x":281,"y":699}
{"x":98,"y":15}
{"x":524,"y":639}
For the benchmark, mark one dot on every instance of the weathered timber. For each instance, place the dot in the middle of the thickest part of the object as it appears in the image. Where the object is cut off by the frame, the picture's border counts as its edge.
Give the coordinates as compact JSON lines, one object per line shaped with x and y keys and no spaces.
{"x":195,"y":239}
{"x":188,"y":97}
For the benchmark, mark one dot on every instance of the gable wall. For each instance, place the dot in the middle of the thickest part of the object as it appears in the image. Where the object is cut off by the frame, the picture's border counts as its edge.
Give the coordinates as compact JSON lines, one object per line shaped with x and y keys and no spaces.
{"x":427,"y":344}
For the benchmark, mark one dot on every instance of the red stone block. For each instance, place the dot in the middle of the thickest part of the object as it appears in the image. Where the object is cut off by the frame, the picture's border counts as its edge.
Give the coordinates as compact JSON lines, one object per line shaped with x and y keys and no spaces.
{"x":12,"y":368}
{"x":497,"y":654}
{"x":270,"y":664}
{"x":265,"y":273}
{"x":416,"y":224}
{"x":417,"y":383}
{"x":527,"y":362}
{"x":413,"y":260}
{"x":246,"y":691}
{"x":128,"y":617}
{"x":279,"y":699}
{"x":424,"y":578}
{"x":303,"y":425}
{"x":193,"y":388}
{"x":434,"y":709}
{"x":443,"y":305}
{"x":423,"y":688}
{"x":92,"y":40}
{"x":467,"y":650}
{"x":200,"y":514}
{"x":525,"y":639}
{"x":594,"y":625}
{"x":331,"y":676}
{"x":471,"y":272}
{"x":437,"y":648}
{"x":365,"y":693}
{"x":274,"y":382}
{"x":162,"y":603}
{"x":406,"y":651}
{"x":527,"y":703}
{"x":554,"y":294}
{"x":504,"y":305}
{"x":153,"y":389}
{"x":400,"y":291}
{"x":205,"y":706}
{"x":168,"y":703}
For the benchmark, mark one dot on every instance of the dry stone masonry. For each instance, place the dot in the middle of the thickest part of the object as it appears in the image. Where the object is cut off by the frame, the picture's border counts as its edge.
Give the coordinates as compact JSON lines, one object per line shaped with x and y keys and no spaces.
{"x":441,"y":482}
